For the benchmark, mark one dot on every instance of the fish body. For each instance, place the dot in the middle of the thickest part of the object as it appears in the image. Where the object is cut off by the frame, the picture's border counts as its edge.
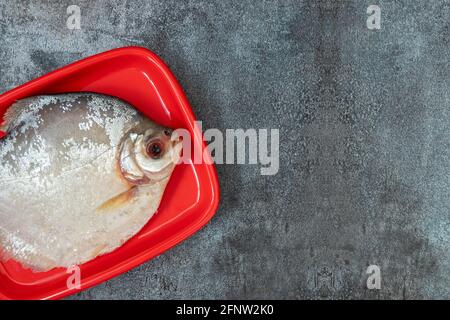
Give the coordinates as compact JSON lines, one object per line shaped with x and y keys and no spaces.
{"x":79,"y":175}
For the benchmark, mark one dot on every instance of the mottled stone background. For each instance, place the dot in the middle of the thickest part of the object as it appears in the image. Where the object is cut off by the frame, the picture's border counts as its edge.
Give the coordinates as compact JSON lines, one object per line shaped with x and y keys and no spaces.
{"x":364,"y":123}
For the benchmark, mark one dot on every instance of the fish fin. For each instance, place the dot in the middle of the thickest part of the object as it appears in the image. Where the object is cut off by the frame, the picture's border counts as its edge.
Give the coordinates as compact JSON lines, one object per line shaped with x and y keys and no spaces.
{"x":98,"y":250}
{"x":11,"y":114}
{"x":117,"y":201}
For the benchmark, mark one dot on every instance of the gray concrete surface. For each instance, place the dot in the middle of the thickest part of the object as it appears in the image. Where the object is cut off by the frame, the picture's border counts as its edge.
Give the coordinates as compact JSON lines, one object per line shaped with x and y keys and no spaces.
{"x":364,"y":123}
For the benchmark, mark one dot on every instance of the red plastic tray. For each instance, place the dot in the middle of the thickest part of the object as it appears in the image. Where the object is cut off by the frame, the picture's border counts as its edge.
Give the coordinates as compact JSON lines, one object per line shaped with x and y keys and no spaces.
{"x":139,"y":77}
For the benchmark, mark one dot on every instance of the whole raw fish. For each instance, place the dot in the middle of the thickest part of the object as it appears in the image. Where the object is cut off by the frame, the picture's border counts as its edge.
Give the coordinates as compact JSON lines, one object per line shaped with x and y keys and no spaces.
{"x":79,"y":175}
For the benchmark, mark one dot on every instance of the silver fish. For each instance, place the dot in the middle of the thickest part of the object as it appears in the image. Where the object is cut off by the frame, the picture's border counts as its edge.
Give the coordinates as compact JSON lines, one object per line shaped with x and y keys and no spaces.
{"x":79,"y":175}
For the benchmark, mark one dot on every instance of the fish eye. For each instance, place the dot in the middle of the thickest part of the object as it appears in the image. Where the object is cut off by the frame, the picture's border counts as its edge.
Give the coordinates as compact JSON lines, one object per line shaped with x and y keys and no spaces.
{"x":155,"y":149}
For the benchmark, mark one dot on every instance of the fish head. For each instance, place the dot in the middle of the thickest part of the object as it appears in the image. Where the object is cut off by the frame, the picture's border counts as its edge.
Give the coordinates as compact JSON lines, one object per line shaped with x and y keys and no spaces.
{"x":150,"y":155}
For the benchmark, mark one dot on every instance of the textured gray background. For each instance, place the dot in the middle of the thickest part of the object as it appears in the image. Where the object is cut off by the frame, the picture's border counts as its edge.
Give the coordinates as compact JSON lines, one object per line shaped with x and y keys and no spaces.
{"x":364,"y":123}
